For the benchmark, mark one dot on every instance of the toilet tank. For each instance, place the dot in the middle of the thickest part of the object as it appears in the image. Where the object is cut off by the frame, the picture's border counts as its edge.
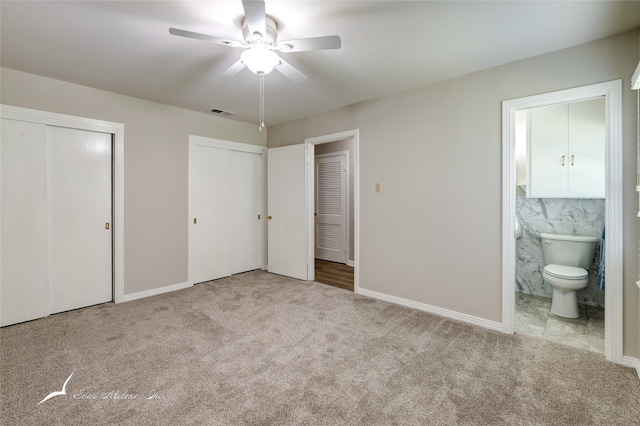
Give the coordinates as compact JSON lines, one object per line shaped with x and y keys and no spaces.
{"x":568,"y":250}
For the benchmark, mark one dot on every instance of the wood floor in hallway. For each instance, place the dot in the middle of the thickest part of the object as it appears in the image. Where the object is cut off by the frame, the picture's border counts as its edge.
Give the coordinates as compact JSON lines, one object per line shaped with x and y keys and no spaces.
{"x":335,"y":274}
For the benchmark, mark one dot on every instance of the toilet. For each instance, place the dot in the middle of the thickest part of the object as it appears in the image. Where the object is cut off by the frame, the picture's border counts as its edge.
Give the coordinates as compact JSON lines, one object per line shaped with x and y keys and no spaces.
{"x":567,"y":259}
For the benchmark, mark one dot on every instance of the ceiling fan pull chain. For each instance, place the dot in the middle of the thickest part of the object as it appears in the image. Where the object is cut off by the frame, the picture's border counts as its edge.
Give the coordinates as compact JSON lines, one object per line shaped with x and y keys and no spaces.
{"x":261,"y":101}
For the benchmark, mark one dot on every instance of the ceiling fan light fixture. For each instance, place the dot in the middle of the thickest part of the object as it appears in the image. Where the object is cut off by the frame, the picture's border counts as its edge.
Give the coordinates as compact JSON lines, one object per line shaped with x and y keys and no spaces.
{"x":260,"y":59}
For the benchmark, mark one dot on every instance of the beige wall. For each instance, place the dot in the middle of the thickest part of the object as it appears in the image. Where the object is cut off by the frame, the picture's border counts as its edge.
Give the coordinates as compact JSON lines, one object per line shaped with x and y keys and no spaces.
{"x":156,"y":151}
{"x":433,"y":235}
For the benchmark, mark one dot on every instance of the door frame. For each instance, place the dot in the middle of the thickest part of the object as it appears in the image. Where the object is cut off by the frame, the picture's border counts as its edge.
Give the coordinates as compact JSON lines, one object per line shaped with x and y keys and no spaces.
{"x":612,"y":91}
{"x":232,"y":146}
{"x":347,"y":210}
{"x":310,"y":144}
{"x":117,"y":173}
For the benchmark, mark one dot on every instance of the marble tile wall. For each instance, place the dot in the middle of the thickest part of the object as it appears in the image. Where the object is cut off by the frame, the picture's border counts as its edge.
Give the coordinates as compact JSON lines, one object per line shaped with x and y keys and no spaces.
{"x":559,"y":216}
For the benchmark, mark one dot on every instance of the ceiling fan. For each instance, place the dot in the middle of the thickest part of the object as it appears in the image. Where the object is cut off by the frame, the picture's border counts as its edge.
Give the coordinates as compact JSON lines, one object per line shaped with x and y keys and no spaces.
{"x":260,"y":33}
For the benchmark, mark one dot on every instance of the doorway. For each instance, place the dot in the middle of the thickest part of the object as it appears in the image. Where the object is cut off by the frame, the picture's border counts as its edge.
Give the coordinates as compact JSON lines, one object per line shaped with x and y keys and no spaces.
{"x":337,"y":266}
{"x":560,"y":189}
{"x":333,"y":214}
{"x":612,"y":92}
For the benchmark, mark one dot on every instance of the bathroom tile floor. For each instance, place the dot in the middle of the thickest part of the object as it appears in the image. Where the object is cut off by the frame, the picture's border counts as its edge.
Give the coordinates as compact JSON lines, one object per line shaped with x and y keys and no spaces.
{"x":533,"y":317}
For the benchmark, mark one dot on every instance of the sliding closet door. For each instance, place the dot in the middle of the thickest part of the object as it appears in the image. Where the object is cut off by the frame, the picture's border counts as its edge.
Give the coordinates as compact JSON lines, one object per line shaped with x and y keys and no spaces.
{"x":245,"y":208}
{"x":79,"y":174}
{"x":210,"y":254}
{"x":24,"y":251}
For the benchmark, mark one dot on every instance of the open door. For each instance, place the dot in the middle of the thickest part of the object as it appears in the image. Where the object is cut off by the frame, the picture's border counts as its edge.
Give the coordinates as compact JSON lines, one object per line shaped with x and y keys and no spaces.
{"x":287,"y":211}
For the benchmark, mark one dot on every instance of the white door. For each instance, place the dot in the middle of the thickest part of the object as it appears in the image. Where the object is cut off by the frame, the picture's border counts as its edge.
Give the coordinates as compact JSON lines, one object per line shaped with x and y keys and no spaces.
{"x":210,"y":256}
{"x":331,"y":207}
{"x":79,"y":174}
{"x":245,"y":210}
{"x":287,"y":210}
{"x":24,"y":248}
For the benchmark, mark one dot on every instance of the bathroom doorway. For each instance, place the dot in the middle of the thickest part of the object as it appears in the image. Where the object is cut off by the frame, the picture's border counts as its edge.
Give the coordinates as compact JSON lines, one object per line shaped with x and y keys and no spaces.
{"x":560,"y":189}
{"x":537,"y":209}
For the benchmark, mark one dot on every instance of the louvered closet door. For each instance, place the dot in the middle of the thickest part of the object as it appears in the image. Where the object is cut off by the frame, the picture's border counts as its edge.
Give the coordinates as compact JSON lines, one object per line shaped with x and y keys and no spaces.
{"x":331,"y":208}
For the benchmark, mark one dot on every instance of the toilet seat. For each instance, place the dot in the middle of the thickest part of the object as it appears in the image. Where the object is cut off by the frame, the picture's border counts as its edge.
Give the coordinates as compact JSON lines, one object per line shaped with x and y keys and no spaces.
{"x":566,"y":272}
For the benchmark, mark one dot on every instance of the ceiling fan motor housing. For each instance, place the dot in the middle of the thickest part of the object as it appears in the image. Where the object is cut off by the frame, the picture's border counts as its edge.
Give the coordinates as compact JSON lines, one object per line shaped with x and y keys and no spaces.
{"x":269,"y":38}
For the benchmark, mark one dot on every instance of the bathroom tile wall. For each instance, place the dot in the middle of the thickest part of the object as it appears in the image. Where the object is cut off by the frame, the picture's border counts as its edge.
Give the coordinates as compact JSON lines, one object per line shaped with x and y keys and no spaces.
{"x":558,"y":216}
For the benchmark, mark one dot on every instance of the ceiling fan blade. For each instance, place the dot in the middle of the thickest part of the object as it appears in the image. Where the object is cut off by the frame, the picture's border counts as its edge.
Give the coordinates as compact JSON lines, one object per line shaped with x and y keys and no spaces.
{"x":255,"y":16}
{"x":290,"y":71}
{"x":233,"y":69}
{"x":205,"y":37}
{"x":312,"y":43}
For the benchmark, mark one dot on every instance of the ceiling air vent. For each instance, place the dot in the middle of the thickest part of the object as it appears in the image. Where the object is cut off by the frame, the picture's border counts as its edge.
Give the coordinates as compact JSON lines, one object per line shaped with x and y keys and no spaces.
{"x":222,"y":112}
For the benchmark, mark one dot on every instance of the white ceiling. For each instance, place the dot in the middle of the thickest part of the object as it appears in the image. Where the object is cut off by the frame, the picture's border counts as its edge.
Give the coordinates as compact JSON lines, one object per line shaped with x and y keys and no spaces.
{"x":387,"y":46}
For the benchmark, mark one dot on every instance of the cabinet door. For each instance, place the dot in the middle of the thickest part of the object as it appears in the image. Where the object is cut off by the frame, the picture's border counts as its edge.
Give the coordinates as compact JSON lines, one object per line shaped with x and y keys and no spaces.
{"x":548,"y":152}
{"x":245,"y":207}
{"x":210,"y":256}
{"x":24,"y":246}
{"x":587,"y":149}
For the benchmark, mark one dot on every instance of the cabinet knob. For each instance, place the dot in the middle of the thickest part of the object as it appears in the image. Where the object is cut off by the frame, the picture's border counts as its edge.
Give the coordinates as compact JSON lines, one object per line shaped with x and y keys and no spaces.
{"x":572,"y":157}
{"x":563,"y":160}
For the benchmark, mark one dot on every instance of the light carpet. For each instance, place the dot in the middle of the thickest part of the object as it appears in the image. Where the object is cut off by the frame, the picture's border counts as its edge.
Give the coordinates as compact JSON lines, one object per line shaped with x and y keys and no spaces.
{"x":258,"y":348}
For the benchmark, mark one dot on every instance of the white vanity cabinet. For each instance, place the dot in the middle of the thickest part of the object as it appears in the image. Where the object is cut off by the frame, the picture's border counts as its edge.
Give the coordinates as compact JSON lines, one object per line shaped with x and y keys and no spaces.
{"x":566,"y":150}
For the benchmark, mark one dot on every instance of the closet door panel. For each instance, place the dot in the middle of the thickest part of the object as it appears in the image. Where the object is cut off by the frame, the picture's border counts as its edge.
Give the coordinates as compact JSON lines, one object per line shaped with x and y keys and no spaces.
{"x":245,"y":207}
{"x":24,"y":252}
{"x":79,"y":173}
{"x":211,"y":232}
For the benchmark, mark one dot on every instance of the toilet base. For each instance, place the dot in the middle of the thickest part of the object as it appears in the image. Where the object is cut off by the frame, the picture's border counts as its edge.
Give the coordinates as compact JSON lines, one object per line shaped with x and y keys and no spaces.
{"x":564,"y":303}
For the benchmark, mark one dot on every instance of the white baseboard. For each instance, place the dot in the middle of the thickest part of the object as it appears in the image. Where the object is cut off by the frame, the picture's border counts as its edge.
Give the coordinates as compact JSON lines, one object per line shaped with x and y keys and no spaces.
{"x":469,"y":319}
{"x":155,"y":291}
{"x":351,"y":263}
{"x":629,"y":361}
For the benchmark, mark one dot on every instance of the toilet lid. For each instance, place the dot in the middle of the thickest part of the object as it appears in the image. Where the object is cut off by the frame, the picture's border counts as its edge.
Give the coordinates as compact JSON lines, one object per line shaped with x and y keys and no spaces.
{"x":566,"y":272}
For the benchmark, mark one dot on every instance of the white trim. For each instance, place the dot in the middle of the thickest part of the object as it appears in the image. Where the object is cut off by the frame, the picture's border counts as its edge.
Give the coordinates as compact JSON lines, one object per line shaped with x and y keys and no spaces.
{"x":469,"y":319}
{"x":155,"y":291}
{"x":632,"y":362}
{"x":194,"y":141}
{"x":334,"y":137}
{"x":612,"y":91}
{"x":219,"y":143}
{"x":352,"y":263}
{"x":117,"y":130}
